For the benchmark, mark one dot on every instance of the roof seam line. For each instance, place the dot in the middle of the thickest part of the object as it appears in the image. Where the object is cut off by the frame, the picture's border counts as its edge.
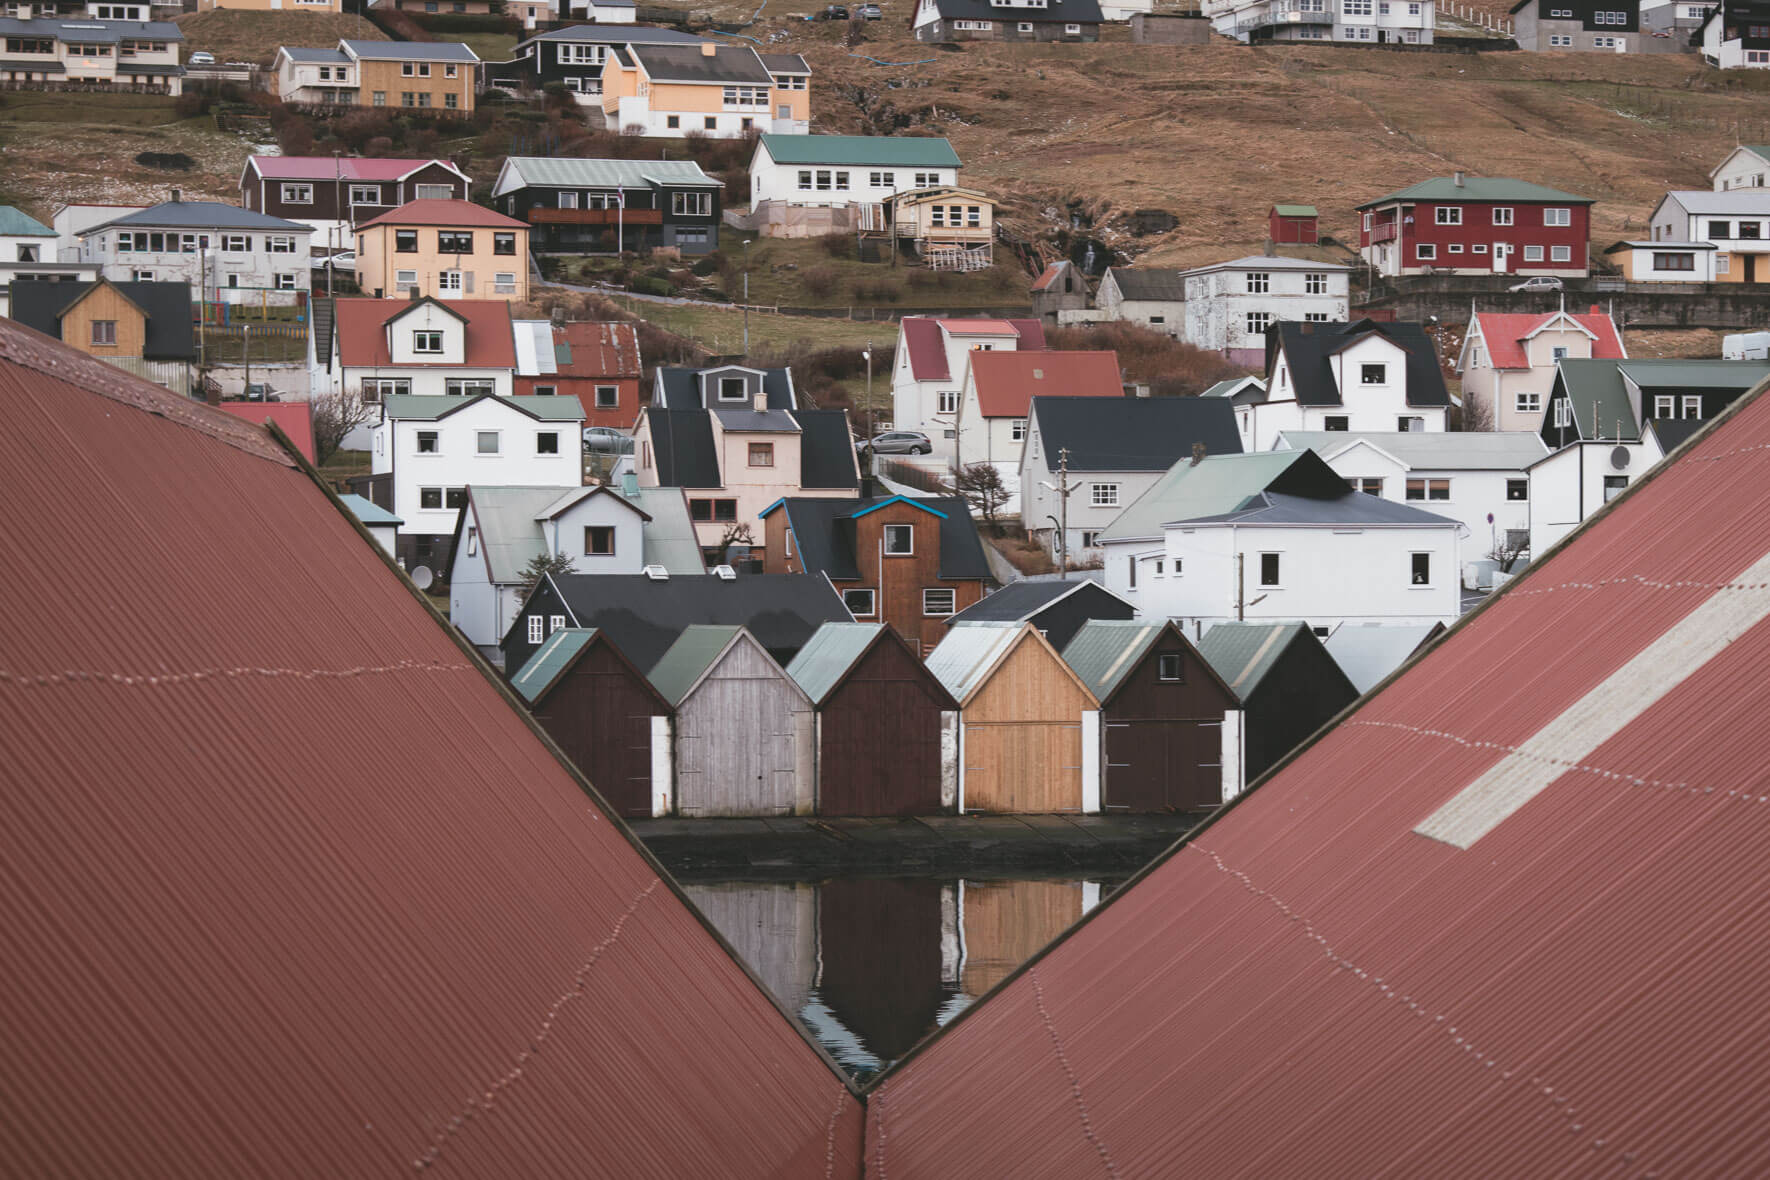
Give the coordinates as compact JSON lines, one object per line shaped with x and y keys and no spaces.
{"x":154,"y":680}
{"x":1069,"y":1073}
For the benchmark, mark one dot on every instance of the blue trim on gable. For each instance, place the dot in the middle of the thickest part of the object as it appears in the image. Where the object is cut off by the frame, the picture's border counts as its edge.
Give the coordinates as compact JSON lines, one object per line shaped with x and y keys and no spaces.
{"x":771,"y":508}
{"x":897,"y":500}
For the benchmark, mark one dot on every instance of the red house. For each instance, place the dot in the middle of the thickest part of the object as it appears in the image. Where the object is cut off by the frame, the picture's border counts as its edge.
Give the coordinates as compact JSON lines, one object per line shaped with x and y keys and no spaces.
{"x":1292,"y":225}
{"x":1476,"y":225}
{"x":598,"y":363}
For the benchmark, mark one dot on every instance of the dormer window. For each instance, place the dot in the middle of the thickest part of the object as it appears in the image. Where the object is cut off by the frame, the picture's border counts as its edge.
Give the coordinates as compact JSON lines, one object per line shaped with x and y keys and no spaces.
{"x":900,"y":540}
{"x":1373,"y":374}
{"x":427,"y":341}
{"x":733,"y":389}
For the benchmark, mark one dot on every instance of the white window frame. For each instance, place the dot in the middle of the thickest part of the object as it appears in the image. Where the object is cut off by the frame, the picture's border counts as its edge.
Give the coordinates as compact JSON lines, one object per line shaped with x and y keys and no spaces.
{"x":952,"y":603}
{"x":1558,"y":216}
{"x":297,"y":194}
{"x":537,"y":629}
{"x":872,"y":598}
{"x":907,"y":532}
{"x":479,"y":443}
{"x":1447,"y":215}
{"x":1103,"y":495}
{"x":428,"y":341}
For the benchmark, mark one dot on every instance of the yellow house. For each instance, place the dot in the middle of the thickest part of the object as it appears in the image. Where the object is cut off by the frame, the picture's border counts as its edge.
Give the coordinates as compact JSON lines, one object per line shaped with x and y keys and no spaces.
{"x":952,"y":228}
{"x":721,"y":91}
{"x":445,"y":249}
{"x":416,"y":75}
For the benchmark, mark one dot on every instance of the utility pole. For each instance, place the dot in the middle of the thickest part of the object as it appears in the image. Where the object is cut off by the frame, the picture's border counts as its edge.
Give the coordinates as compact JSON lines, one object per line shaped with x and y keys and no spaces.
{"x":1063,"y":488}
{"x":247,"y":329}
{"x":747,"y":242}
{"x":872,"y":458}
{"x":1240,"y":594}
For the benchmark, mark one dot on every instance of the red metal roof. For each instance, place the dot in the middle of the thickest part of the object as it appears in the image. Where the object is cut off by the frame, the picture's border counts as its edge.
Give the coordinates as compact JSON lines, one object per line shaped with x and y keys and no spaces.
{"x":601,"y":349}
{"x":449,"y":213}
{"x":1048,"y":276}
{"x":1505,"y":336}
{"x":362,"y":331}
{"x":294,"y":419}
{"x":290,"y":886}
{"x":342,"y":167}
{"x":1311,"y":987}
{"x":1008,"y":381}
{"x":922,"y":335}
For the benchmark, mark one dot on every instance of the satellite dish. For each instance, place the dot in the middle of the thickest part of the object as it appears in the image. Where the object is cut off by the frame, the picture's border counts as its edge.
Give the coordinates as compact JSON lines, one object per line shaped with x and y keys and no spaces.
{"x":422,"y":577}
{"x":1619,"y":458}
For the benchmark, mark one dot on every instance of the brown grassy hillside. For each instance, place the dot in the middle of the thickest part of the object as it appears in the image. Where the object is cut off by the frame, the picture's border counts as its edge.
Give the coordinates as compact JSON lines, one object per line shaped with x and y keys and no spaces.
{"x":238,"y":35}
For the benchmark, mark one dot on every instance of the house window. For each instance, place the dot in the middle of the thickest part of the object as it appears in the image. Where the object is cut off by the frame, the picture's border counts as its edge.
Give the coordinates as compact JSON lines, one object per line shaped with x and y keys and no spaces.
{"x":1259,"y":283}
{"x":1090,"y":540}
{"x":1663,"y":405}
{"x":1256,"y":322}
{"x":1674,"y":261}
{"x":1425,"y":251}
{"x":428,"y":443}
{"x":1533,"y":253}
{"x":937,"y":604}
{"x":1314,"y":317}
{"x":472,"y":542}
{"x":547,"y":442}
{"x":1428,"y":489}
{"x":1517,"y":489}
{"x":430,"y":498}
{"x":1017,"y":430}
{"x":1420,"y":569}
{"x":1269,"y":569}
{"x":1447,"y":215}
{"x":693,"y":204}
{"x":469,"y":387}
{"x":879,"y":179}
{"x":1314,"y":284}
{"x":537,"y":629}
{"x":365,"y":194}
{"x":900,"y":540}
{"x":104,"y":333}
{"x":504,"y":243}
{"x":486,"y":442}
{"x":298,"y":194}
{"x":280,"y":245}
{"x":1563,"y":412}
{"x":504,"y":282}
{"x":374,"y":389}
{"x":1454,"y":248}
{"x":1024,"y":26}
{"x":762,"y":454}
{"x":449,"y":241}
{"x":1560,"y":40}
{"x":1613,"y":486}
{"x":1072,"y":30}
{"x":858,"y":602}
{"x":379,"y":99}
{"x":1527,"y":403}
{"x":713,"y":510}
{"x":1369,"y":485}
{"x":285,"y":280}
{"x":1692,"y":406}
{"x":1336,"y":422}
{"x":1405,"y":425}
{"x":599,"y":540}
{"x":1103,"y":495}
{"x":1169,"y":668}
{"x":1502,"y":215}
{"x":710,"y":123}
{"x":405,"y":241}
{"x":1373,"y":374}
{"x":930,"y":179}
{"x":555,"y":623}
{"x":608,"y":397}
{"x":236,"y":243}
{"x":1557,"y":216}
{"x":452,"y":100}
{"x":448,"y":280}
{"x":427,"y":341}
{"x":732,"y":389}
{"x":1478,"y":248}
{"x":1720,"y":229}
{"x":1356,"y":7}
{"x":948,"y":401}
{"x":1560,"y":253}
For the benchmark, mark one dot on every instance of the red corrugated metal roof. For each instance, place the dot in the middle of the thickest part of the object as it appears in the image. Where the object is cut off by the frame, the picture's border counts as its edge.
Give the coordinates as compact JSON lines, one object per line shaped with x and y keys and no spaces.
{"x":1310,"y":987}
{"x":362,"y":332}
{"x":450,"y":213}
{"x":1008,"y":381}
{"x":290,"y":887}
{"x":294,"y":419}
{"x":1505,"y":335}
{"x":601,"y":349}
{"x":923,"y":337}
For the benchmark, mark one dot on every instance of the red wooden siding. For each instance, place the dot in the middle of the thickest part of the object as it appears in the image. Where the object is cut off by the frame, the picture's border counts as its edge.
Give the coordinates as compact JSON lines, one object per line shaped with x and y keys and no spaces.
{"x":600,"y":714}
{"x":1164,"y":741}
{"x":879,"y":749}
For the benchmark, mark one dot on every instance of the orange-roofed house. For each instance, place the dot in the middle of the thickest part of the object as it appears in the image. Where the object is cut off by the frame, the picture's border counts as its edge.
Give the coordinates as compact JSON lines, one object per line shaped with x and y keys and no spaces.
{"x":447,"y":249}
{"x":596,"y":362}
{"x":998,"y":392}
{"x":1508,"y":362}
{"x":381,"y":348}
{"x":928,"y":369}
{"x":294,"y":419}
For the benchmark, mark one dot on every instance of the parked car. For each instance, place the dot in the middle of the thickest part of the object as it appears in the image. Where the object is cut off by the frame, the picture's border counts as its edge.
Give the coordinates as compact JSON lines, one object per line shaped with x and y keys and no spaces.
{"x":897,"y":442}
{"x":606,"y":440}
{"x":871,"y":12}
{"x":834,"y":12}
{"x":1540,"y":283}
{"x":258,"y":391}
{"x":201,"y":57}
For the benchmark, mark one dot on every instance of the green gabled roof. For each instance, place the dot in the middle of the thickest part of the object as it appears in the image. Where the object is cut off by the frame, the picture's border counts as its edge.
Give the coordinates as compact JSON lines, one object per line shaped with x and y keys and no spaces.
{"x":367,"y":511}
{"x":828,"y":655}
{"x":883,"y":151}
{"x":1216,"y":486}
{"x":687,"y":660}
{"x":420,"y":407}
{"x":1295,"y":210}
{"x":1104,"y":651}
{"x":1479,"y":188}
{"x":1243,"y":653}
{"x":16,"y":223}
{"x":553,"y":657}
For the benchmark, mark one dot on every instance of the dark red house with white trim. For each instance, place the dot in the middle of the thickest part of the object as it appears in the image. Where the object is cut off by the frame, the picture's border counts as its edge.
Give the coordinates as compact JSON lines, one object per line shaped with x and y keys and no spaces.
{"x":1476,"y":225}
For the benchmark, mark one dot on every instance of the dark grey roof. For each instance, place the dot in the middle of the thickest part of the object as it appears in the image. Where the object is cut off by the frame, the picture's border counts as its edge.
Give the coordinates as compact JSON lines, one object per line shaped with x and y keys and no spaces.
{"x":1165,"y":286}
{"x":202,"y":215}
{"x":1060,"y":11}
{"x":1019,"y":602}
{"x":1310,"y":347}
{"x":616,"y":35}
{"x":1672,"y":432}
{"x":644,"y":617}
{"x":39,"y":305}
{"x":324,"y":57}
{"x":826,"y":450}
{"x":687,"y":63}
{"x":824,"y":530}
{"x":1133,"y":433}
{"x":25,"y":63}
{"x":682,"y":388}
{"x":741,"y":420}
{"x":168,"y":71}
{"x":784,"y":63}
{"x":411,"y":50}
{"x":81,"y":31}
{"x":1354,"y":508}
{"x":682,"y":442}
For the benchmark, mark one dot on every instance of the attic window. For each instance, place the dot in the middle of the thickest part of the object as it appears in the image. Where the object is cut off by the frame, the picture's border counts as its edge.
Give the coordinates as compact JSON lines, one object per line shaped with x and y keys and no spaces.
{"x":733,"y":389}
{"x":1169,"y":669}
{"x":900,"y":540}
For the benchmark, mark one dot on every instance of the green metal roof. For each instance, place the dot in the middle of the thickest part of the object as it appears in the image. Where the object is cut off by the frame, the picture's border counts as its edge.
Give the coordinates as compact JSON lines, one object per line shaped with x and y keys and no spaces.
{"x":623,"y":174}
{"x":668,"y":538}
{"x":1479,"y":188}
{"x":550,"y":659}
{"x":827,"y":656}
{"x":1218,"y":485}
{"x":419,"y":407}
{"x":510,"y":528}
{"x":1243,"y":653}
{"x":1295,"y":210}
{"x":1600,"y":397}
{"x":969,"y":650}
{"x":17,"y":223}
{"x":688,"y":659}
{"x":368,"y":511}
{"x":885,"y":151}
{"x":1697,"y":374}
{"x":1104,"y":651}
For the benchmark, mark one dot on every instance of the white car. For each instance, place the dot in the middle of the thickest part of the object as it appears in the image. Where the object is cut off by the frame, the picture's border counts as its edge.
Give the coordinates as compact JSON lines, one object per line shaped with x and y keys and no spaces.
{"x":1540,"y":283}
{"x":201,"y":57}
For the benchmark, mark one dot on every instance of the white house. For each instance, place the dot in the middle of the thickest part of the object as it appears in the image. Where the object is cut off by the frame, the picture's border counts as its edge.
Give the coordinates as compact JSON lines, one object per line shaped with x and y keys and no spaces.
{"x":1736,"y":222}
{"x":230,"y":254}
{"x":598,"y":529}
{"x":1150,"y":296}
{"x":427,"y":450}
{"x":27,"y":254}
{"x":129,"y":55}
{"x":929,"y":366}
{"x":1664,"y":262}
{"x":605,"y":12}
{"x":381,"y":348}
{"x":1230,"y":305}
{"x":1744,"y":167}
{"x":379,"y":523}
{"x":1481,"y":479}
{"x":1279,"y":536}
{"x":1732,"y":38}
{"x":1406,"y":22}
{"x":997,"y":396}
{"x":843,"y":170}
{"x":316,"y":76}
{"x":1362,"y":376}
{"x":1508,"y":361}
{"x":1108,"y":452}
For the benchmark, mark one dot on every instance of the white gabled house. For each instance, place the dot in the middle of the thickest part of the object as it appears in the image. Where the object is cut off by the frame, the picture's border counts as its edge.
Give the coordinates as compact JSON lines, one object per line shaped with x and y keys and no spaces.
{"x":1364,"y":376}
{"x":381,"y":348}
{"x":928,"y":369}
{"x":997,"y":398}
{"x":1279,"y":536}
{"x":1508,"y":361}
{"x":837,"y":171}
{"x":225,"y":253}
{"x":1230,"y":305}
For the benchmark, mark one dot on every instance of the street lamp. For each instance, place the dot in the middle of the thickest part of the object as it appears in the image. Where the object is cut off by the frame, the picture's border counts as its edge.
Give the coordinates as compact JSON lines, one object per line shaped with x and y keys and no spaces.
{"x":747,"y":242}
{"x":872,"y":456}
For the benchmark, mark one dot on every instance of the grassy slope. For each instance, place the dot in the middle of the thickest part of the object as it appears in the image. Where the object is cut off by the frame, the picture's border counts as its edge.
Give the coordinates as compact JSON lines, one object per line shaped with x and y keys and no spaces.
{"x":237,"y":35}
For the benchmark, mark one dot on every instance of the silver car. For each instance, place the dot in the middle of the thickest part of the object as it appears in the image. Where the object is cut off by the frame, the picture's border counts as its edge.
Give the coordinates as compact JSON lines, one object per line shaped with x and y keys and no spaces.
{"x":898,"y":442}
{"x":1540,"y":283}
{"x":606,"y":440}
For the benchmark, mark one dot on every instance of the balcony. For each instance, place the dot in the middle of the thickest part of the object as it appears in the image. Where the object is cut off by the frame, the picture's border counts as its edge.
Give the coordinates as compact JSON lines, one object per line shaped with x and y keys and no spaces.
{"x":945,"y":233}
{"x":1291,"y":16}
{"x":541,"y":216}
{"x":1383,"y":233}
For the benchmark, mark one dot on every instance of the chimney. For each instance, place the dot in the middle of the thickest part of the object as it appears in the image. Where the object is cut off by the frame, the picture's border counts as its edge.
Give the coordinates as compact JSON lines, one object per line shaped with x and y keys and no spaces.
{"x":1271,"y":248}
{"x":708,"y":49}
{"x":1307,"y":328}
{"x":1457,"y":178}
{"x":1140,"y":389}
{"x":760,"y":400}
{"x":1198,"y":453}
{"x":177,"y":195}
{"x":629,"y":483}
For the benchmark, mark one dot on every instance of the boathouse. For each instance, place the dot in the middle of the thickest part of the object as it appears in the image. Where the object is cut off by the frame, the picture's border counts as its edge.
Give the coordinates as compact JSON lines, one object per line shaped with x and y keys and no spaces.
{"x":1288,"y":684}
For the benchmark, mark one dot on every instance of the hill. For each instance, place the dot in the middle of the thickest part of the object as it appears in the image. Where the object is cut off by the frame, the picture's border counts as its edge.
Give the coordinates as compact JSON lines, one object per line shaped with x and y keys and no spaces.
{"x":239,"y":35}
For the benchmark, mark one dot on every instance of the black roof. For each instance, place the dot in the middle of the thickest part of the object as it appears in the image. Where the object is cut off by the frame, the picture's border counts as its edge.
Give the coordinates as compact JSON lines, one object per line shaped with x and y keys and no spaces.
{"x":644,"y":617}
{"x":1310,"y":347}
{"x":682,"y":390}
{"x":826,"y":450}
{"x":1019,"y":601}
{"x":682,"y":442}
{"x":1350,"y":508}
{"x":691,"y":63}
{"x":167,"y":305}
{"x":1133,"y":433}
{"x":1672,"y":432}
{"x":823,"y":534}
{"x":1060,"y":11}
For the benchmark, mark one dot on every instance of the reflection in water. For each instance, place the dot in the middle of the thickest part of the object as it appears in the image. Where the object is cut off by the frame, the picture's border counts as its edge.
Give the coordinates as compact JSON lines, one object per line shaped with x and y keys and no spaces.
{"x":872,"y":965}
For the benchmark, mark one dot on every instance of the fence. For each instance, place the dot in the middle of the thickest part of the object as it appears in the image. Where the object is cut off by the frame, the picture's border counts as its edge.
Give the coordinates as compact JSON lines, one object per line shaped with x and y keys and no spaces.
{"x":235,"y":344}
{"x":920,"y":478}
{"x":1474,"y":16}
